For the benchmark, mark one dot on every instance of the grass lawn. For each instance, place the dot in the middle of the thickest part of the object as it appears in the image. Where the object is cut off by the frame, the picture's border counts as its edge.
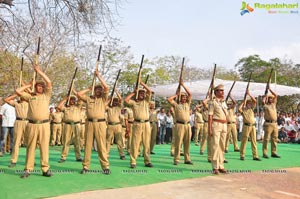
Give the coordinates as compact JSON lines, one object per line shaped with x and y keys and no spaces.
{"x":67,"y":178}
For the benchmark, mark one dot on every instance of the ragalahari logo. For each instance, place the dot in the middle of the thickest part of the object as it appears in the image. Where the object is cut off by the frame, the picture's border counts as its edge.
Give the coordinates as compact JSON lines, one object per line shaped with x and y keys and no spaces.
{"x":246,"y":8}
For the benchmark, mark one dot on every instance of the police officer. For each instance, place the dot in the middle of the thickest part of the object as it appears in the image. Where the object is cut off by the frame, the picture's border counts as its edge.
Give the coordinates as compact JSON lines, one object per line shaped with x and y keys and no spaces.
{"x":153,"y":125}
{"x":141,"y":125}
{"x":270,"y":124}
{"x":56,"y":122}
{"x":38,"y":127}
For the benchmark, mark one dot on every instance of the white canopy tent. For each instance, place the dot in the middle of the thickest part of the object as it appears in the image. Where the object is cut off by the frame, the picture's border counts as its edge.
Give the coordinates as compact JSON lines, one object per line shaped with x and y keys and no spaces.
{"x":199,"y":89}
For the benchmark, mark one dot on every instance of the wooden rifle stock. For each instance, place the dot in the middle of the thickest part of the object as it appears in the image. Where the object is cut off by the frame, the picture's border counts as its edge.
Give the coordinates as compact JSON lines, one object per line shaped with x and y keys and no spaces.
{"x":211,"y":86}
{"x":115,"y":85}
{"x":268,"y":82}
{"x":71,"y":87}
{"x":247,"y":88}
{"x":36,"y":62}
{"x":180,"y":78}
{"x":137,"y":84}
{"x":96,"y":69}
{"x":21,"y":72}
{"x":230,"y":91}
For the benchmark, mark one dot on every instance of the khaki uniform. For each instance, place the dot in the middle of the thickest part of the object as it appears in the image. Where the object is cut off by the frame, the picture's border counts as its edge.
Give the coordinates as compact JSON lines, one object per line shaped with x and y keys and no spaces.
{"x":123,"y":122}
{"x":199,"y":126}
{"x":231,"y":130}
{"x":153,"y":126}
{"x":38,"y":128}
{"x":130,"y":124}
{"x":270,"y":128}
{"x":19,"y":128}
{"x":82,"y":127}
{"x":248,"y":129}
{"x":56,"y":122}
{"x":204,"y":136}
{"x":114,"y":129}
{"x":71,"y":130}
{"x":140,"y":129}
{"x":183,"y":131}
{"x":218,"y":110}
{"x":96,"y":127}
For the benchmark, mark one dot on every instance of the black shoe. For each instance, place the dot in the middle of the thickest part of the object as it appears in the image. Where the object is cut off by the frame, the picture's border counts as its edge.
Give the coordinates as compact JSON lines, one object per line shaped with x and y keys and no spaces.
{"x":172,"y":154}
{"x":225,"y":161}
{"x":12,"y":165}
{"x":226,"y":151}
{"x":236,"y":150}
{"x":201,"y":153}
{"x":133,"y":166}
{"x":79,"y":160}
{"x":242,"y":158}
{"x":25,"y":174}
{"x":47,"y":174}
{"x":256,"y":159}
{"x":61,"y":161}
{"x":209,"y":161}
{"x":84,"y":171}
{"x":152,"y":153}
{"x":188,"y":162}
{"x":106,"y":171}
{"x":122,"y":157}
{"x":265,"y":156}
{"x":275,"y":156}
{"x":223,"y":171}
{"x":149,"y":165}
{"x":175,"y":163}
{"x":181,"y":154}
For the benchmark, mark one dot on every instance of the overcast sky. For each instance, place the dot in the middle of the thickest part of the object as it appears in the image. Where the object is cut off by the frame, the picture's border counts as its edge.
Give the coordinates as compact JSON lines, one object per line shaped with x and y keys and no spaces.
{"x":208,"y":32}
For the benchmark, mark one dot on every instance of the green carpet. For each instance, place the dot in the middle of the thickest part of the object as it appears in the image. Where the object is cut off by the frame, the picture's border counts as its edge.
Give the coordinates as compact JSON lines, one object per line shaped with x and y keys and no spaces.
{"x":67,"y":178}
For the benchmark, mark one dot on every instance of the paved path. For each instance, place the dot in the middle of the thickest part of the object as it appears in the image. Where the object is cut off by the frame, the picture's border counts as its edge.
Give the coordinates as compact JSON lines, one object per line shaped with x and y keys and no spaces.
{"x":271,"y":184}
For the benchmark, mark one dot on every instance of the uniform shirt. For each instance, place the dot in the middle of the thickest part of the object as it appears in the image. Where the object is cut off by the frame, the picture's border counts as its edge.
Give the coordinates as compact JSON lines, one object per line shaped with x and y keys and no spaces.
{"x":21,"y":109}
{"x":38,"y":105}
{"x":205,"y":114}
{"x":153,"y":116}
{"x":72,"y":113}
{"x":82,"y":115}
{"x":8,"y":115}
{"x":218,"y":109}
{"x":248,"y":116}
{"x":95,"y":108}
{"x":182,"y":111}
{"x":270,"y":112}
{"x":231,"y":115}
{"x":114,"y":114}
{"x":56,"y":117}
{"x":140,"y":109}
{"x":130,"y":115}
{"x":198,"y":117}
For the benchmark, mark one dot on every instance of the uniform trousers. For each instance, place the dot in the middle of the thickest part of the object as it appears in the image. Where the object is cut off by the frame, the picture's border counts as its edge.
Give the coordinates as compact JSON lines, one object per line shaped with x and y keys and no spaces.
{"x":153,"y":126}
{"x":231,"y":131}
{"x":183,"y":135}
{"x":271,"y":130}
{"x":218,"y":144}
{"x":56,"y":134}
{"x":114,"y":132}
{"x":71,"y":132}
{"x":38,"y":133}
{"x":95,"y":130}
{"x":19,"y":132}
{"x":246,"y":132}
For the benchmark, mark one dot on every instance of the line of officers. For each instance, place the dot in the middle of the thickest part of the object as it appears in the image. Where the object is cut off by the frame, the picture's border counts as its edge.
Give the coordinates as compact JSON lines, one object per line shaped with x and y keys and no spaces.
{"x":104,"y":119}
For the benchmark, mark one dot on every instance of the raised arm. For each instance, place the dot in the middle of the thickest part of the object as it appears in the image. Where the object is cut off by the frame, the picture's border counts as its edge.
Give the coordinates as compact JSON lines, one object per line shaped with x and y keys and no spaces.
{"x":186,"y":90}
{"x":128,"y":97}
{"x":43,"y":75}
{"x":148,"y":90}
{"x":103,"y":83}
{"x":9,"y":99}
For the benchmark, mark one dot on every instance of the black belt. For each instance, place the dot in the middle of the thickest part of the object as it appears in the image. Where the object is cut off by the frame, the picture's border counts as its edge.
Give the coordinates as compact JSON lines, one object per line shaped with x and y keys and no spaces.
{"x":179,"y":122}
{"x":130,"y":122}
{"x":56,"y":122}
{"x":72,"y":123}
{"x":205,"y":121}
{"x":152,"y":122}
{"x":230,"y":122}
{"x":97,"y":120}
{"x":248,"y":124}
{"x":200,"y":122}
{"x":114,"y":123}
{"x":123,"y":126}
{"x":141,"y":121}
{"x":271,"y":121}
{"x":82,"y":122}
{"x":38,"y":121}
{"x":21,"y":119}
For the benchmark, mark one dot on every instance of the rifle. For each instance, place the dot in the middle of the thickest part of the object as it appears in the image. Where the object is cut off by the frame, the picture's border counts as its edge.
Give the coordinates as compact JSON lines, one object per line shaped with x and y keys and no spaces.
{"x":71,"y":86}
{"x":247,"y":88}
{"x":137,"y":84}
{"x":230,"y":91}
{"x":180,"y":78}
{"x":36,"y":62}
{"x":115,"y":84}
{"x":211,"y":87}
{"x":268,"y":82}
{"x":97,"y":66}
{"x":21,"y":72}
{"x":146,"y":80}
